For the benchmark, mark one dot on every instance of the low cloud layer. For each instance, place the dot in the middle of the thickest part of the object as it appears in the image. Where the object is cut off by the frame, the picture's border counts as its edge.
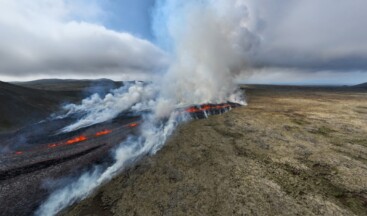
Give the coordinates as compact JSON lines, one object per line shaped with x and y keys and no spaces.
{"x":50,"y":38}
{"x":311,"y":34}
{"x":83,"y":39}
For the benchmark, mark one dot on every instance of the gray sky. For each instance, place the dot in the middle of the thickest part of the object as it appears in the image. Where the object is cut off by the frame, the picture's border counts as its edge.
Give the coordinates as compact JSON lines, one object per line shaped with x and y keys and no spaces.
{"x":310,"y":41}
{"x":315,"y":41}
{"x":313,"y":34}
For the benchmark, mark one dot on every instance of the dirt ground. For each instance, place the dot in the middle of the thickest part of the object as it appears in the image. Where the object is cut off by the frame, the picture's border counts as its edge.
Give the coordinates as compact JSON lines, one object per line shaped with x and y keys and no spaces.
{"x":291,"y":151}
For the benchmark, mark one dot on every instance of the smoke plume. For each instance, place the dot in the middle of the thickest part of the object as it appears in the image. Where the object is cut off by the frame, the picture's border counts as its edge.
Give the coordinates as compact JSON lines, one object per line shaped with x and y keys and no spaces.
{"x":131,"y":97}
{"x":208,"y":41}
{"x":153,"y":135}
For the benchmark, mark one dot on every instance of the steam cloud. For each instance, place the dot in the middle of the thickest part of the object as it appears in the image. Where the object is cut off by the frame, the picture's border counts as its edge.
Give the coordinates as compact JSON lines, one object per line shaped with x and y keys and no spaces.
{"x":209,"y":41}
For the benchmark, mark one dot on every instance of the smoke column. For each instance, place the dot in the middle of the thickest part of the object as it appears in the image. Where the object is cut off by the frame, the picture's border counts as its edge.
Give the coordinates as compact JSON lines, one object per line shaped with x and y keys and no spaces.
{"x":154,"y":134}
{"x":208,"y":41}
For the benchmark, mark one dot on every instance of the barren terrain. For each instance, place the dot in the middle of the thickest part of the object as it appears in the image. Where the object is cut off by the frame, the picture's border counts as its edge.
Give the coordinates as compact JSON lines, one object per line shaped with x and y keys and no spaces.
{"x":291,"y":151}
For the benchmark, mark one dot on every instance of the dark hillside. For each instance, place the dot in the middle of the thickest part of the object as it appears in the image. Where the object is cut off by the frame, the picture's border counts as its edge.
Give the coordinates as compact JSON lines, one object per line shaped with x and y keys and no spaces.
{"x":363,"y":85}
{"x":86,"y":87}
{"x":20,"y":105}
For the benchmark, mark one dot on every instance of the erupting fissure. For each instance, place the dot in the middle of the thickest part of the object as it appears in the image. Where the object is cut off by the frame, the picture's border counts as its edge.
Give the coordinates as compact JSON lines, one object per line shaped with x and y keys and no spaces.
{"x":195,"y":111}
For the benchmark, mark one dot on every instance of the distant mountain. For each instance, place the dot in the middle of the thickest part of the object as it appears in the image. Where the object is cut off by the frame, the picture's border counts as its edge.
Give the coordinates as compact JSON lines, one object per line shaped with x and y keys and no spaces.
{"x":90,"y":86}
{"x":363,"y":85}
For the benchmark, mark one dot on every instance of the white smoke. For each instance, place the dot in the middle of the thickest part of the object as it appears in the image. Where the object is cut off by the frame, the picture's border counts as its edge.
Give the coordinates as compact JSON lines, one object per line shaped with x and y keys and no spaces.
{"x":154,"y":134}
{"x":134,"y":97}
{"x":211,"y":39}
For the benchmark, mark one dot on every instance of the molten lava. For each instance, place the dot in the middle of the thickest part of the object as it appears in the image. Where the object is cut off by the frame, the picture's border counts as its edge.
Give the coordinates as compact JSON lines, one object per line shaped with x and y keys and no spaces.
{"x":204,"y":110}
{"x":102,"y":133}
{"x":210,"y":107}
{"x":76,"y":140}
{"x":133,"y":125}
{"x":196,"y":111}
{"x":52,"y":145}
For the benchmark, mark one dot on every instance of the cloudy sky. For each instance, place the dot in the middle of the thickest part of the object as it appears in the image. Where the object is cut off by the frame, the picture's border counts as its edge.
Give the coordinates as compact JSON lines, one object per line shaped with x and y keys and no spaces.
{"x":298,"y":41}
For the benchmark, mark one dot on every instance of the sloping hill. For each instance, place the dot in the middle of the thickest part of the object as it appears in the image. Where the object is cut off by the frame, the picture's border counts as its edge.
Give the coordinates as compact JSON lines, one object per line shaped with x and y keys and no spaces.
{"x":87,"y":87}
{"x":20,"y":105}
{"x":363,"y":85}
{"x":26,"y":102}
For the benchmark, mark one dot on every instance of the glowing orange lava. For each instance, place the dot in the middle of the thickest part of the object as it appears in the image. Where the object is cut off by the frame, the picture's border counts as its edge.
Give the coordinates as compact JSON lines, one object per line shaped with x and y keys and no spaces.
{"x":52,"y":145}
{"x":104,"y":132}
{"x":192,"y":110}
{"x":207,"y":107}
{"x":133,"y":125}
{"x":76,"y":140}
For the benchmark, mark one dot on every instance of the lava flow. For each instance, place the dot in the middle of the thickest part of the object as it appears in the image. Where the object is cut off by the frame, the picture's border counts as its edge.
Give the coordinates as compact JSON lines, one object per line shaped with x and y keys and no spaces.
{"x":132,"y":125}
{"x":53,"y":145}
{"x":104,"y":132}
{"x":76,"y":140}
{"x":201,"y":111}
{"x":196,"y":111}
{"x":44,"y":153}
